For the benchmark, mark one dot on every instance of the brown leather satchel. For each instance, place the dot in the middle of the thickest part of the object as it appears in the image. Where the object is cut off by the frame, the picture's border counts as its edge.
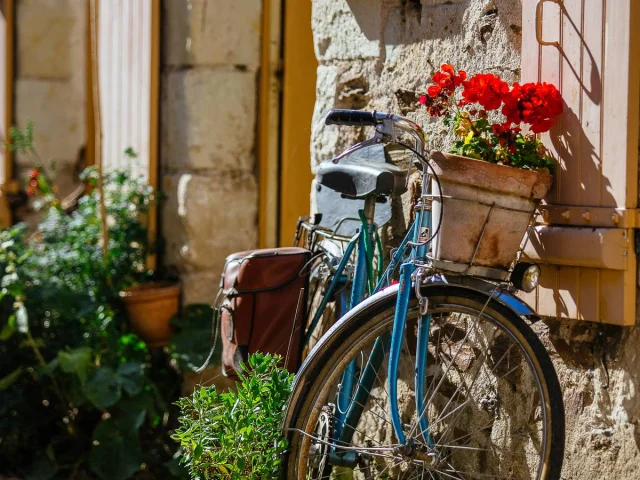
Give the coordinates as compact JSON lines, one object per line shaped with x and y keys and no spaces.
{"x":262,"y":305}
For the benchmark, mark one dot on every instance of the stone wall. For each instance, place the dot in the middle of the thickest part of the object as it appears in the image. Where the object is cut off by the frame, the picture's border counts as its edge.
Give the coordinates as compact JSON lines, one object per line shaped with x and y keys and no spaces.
{"x":50,"y":84}
{"x":210,"y":60}
{"x":374,"y":54}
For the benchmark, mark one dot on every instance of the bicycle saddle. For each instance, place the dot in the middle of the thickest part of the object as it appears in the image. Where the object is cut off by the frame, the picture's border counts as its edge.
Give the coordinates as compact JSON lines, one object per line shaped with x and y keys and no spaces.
{"x":357,"y":178}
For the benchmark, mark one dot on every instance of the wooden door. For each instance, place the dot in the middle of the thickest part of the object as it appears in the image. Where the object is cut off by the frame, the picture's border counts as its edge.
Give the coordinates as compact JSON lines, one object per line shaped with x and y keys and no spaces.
{"x":590,"y":51}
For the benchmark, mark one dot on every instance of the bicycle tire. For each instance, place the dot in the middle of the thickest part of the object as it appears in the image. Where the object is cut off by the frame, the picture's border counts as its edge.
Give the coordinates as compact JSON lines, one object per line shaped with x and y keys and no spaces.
{"x":371,"y":320}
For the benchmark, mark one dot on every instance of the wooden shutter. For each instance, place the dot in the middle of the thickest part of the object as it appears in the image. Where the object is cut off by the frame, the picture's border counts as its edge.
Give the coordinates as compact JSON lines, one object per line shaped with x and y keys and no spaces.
{"x":589,"y":50}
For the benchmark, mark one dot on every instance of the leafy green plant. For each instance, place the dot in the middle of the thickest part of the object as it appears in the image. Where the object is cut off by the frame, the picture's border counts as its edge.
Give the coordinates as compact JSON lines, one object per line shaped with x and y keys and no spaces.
{"x":236,"y":434}
{"x":79,"y":393}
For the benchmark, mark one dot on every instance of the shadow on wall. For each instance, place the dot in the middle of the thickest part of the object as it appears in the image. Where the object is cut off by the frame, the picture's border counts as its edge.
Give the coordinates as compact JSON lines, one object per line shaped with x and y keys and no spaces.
{"x":411,"y":21}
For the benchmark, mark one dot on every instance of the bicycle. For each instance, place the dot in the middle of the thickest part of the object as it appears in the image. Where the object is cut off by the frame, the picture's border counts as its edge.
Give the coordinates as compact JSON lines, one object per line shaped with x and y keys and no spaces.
{"x":485,"y":400}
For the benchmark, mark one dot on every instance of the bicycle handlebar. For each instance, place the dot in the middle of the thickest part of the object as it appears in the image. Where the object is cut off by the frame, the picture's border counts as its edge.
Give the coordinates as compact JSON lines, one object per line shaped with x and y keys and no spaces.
{"x":354,"y":118}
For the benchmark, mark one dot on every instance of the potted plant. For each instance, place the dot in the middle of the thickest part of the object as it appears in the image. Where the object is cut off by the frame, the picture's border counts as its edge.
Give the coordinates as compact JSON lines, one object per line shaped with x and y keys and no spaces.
{"x":150,"y":304}
{"x":496,"y":172}
{"x":119,"y":204}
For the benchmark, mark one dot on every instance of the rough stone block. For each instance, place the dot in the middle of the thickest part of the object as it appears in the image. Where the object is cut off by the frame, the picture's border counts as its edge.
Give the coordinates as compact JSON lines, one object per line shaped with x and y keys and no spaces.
{"x":57,"y":110}
{"x":205,"y":218}
{"x":208,"y":120}
{"x":206,"y":32}
{"x":346,"y":29}
{"x":200,"y":287}
{"x":335,"y":89}
{"x":50,"y":38}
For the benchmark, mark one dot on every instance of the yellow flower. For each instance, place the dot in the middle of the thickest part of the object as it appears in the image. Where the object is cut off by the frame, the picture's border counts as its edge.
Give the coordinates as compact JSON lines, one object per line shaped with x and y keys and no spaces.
{"x":501,"y":154}
{"x":464,"y":114}
{"x":468,"y":138}
{"x":464,"y":126}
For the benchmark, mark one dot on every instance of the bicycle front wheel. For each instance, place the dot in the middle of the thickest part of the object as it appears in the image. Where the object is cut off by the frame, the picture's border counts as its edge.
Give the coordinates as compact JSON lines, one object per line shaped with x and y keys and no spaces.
{"x":492,"y":398}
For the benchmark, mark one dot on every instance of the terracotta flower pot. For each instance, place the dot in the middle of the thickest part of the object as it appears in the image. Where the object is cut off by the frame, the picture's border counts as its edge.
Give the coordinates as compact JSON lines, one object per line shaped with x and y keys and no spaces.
{"x":150,"y":306}
{"x":487,"y":210}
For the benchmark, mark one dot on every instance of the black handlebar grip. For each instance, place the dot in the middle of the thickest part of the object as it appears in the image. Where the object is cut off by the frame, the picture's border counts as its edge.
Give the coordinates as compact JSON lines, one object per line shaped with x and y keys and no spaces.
{"x":355,"y":118}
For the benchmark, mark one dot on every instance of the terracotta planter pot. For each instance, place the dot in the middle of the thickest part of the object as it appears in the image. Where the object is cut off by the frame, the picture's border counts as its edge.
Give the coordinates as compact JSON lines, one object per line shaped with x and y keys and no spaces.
{"x":150,"y":306}
{"x":487,"y":209}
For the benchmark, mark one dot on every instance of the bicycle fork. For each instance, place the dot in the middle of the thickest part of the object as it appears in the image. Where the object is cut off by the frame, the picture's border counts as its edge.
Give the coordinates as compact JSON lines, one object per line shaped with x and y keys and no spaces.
{"x":407,"y":271}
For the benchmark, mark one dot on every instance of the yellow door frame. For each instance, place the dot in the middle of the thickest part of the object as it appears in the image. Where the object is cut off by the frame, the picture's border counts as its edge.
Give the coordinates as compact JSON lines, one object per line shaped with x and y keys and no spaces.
{"x":298,"y":101}
{"x":269,"y":123}
{"x":287,"y":99}
{"x":9,"y":184}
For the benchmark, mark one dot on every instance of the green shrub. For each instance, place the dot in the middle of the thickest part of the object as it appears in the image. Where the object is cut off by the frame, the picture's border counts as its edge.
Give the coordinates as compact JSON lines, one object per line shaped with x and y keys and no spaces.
{"x":80,"y":394}
{"x":236,"y":435}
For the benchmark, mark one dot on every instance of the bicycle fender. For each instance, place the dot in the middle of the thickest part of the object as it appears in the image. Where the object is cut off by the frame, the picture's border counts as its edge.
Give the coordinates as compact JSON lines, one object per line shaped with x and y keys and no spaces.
{"x":505,"y":297}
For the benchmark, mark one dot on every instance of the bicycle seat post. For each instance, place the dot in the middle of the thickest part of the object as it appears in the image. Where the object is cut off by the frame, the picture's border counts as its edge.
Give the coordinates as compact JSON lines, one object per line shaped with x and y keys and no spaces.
{"x":369,"y":207}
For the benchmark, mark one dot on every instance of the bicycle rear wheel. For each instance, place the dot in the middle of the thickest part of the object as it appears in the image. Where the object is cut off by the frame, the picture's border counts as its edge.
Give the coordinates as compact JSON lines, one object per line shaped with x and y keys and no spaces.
{"x":492,"y":401}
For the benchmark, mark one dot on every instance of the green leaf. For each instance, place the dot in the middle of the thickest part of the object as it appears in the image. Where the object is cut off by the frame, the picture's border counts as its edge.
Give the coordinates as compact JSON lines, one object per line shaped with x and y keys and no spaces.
{"x":8,"y":380}
{"x":102,"y":388}
{"x":43,"y":468}
{"x":50,"y":367}
{"x":131,"y":377}
{"x":76,"y":361}
{"x":116,"y":453}
{"x":197,"y":452}
{"x":7,"y":331}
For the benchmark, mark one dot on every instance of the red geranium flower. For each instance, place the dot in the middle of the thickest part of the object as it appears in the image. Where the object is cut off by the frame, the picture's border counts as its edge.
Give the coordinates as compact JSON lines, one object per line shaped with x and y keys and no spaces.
{"x":449,"y":70}
{"x":447,"y":79}
{"x":485,"y":89}
{"x":34,"y":173}
{"x":434,"y":90}
{"x":537,"y":104}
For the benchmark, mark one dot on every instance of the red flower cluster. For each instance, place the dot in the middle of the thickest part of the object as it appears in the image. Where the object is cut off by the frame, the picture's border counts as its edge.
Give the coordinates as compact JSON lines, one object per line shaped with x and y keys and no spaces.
{"x":444,"y":84}
{"x":446,"y":80}
{"x":33,"y":182}
{"x":534,"y":103}
{"x":486,"y":89}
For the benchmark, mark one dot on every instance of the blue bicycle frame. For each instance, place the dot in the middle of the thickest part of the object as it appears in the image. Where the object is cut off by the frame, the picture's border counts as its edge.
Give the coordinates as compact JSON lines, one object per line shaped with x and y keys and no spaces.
{"x":410,"y":257}
{"x":352,"y":397}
